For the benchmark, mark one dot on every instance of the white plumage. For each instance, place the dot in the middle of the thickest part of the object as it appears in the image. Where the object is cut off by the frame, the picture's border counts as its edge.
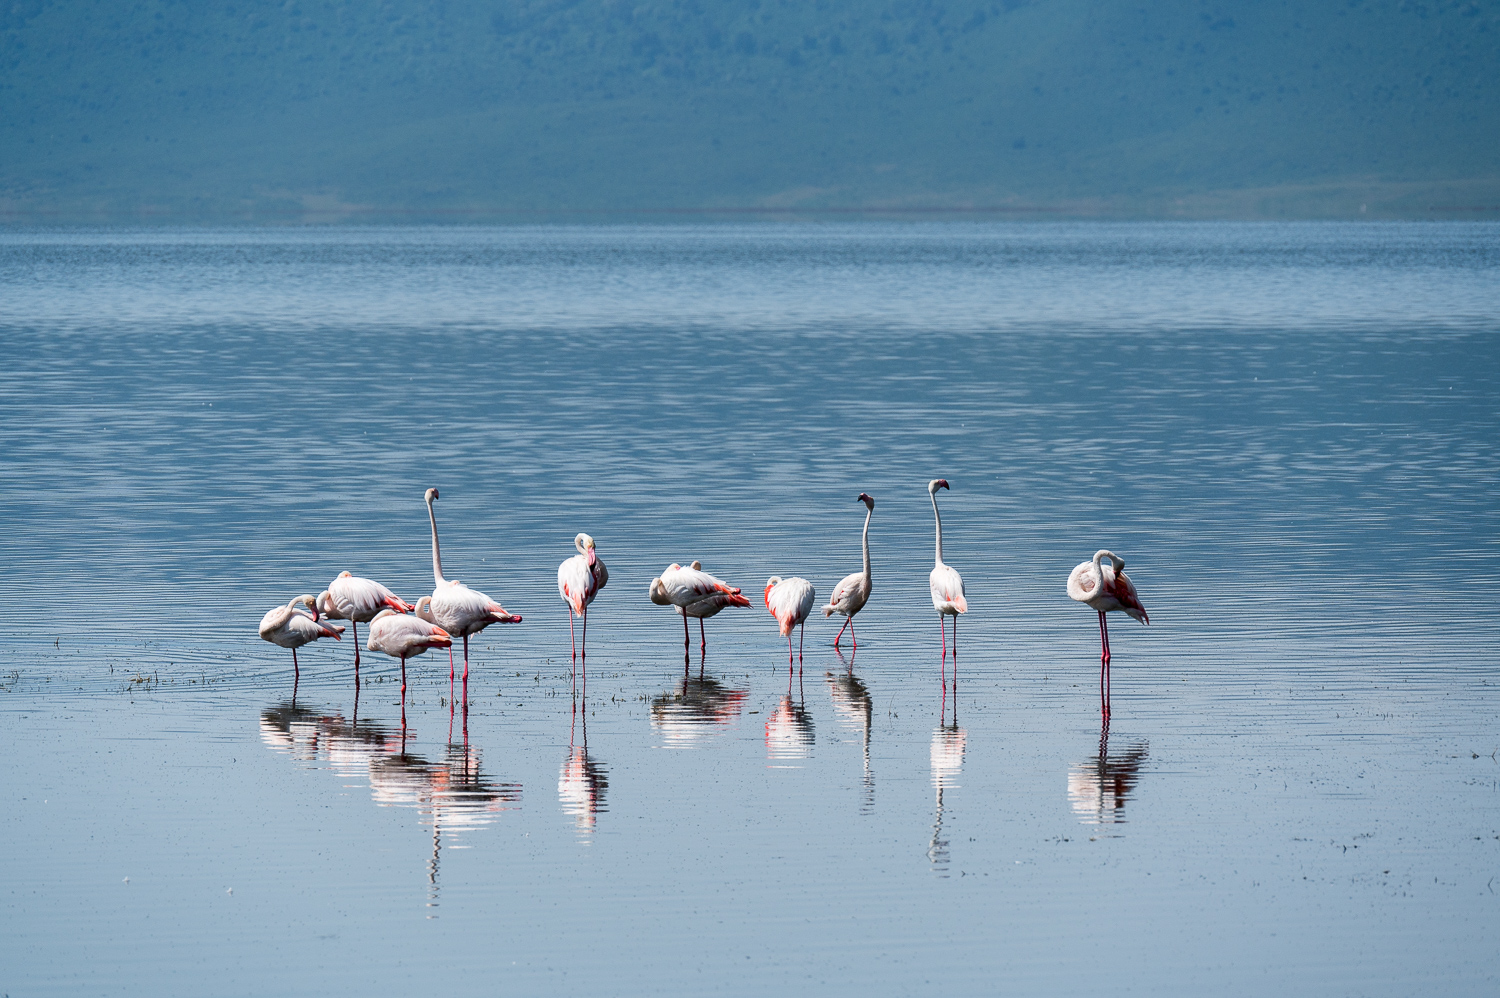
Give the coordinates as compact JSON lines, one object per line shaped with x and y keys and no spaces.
{"x":455,"y":607}
{"x":853,"y":591}
{"x":790,"y":601}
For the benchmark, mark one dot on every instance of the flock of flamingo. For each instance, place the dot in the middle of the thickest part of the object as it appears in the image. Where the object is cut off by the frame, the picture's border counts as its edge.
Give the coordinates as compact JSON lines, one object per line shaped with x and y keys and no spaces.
{"x":403,"y":630}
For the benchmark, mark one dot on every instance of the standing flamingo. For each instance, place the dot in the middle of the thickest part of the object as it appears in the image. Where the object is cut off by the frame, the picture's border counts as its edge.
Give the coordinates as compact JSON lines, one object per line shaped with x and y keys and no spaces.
{"x":850,"y":596}
{"x":946,"y":584}
{"x":400,"y":636}
{"x":1105,"y":588}
{"x":453,"y":606}
{"x":579,"y":580}
{"x":694,"y":593}
{"x":357,"y":600}
{"x":292,"y":628}
{"x":790,"y":601}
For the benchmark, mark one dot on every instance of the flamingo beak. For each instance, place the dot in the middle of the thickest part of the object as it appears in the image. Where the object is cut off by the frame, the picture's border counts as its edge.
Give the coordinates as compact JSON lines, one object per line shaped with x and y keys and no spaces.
{"x":591,"y":556}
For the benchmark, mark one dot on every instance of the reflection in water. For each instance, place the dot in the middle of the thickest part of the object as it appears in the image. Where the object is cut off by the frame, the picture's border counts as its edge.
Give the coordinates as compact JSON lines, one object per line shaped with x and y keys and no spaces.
{"x":701,"y":707}
{"x":581,"y":786}
{"x":1099,"y":788}
{"x":452,"y":795}
{"x":789,"y":731}
{"x":949,"y":742}
{"x":851,"y":702}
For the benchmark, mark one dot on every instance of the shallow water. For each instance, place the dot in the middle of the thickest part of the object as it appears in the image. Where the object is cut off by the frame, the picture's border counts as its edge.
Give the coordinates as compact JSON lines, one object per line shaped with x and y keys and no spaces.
{"x":1288,"y":432}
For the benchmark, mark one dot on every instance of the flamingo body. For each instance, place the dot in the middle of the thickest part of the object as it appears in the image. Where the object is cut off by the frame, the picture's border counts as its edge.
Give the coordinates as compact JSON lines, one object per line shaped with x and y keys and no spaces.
{"x":790,"y":601}
{"x":694,"y":593}
{"x":291,"y":627}
{"x":1105,"y":588}
{"x":453,"y":606}
{"x":853,"y":591}
{"x":358,"y":600}
{"x":580,"y":578}
{"x":401,"y":636}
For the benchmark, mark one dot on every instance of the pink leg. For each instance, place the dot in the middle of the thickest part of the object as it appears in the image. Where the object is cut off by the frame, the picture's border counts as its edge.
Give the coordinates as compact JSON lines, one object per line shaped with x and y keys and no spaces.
{"x":687,"y":642}
{"x":943,"y":630}
{"x":296,"y":669}
{"x":841,"y":631}
{"x":955,"y":649}
{"x":789,"y":648}
{"x":852,"y":639}
{"x":1103,"y":665}
{"x":466,"y":666}
{"x":355,"y":625}
{"x":403,"y":688}
{"x":702,"y":637}
{"x":450,"y":668}
{"x":571,"y":639}
{"x":585,"y":656}
{"x":802,"y":632}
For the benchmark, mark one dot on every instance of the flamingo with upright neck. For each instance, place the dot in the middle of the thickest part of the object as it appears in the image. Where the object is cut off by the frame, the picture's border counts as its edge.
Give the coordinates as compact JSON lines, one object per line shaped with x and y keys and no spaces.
{"x":1105,"y":588}
{"x":946,"y":584}
{"x":853,"y":592}
{"x":453,"y":606}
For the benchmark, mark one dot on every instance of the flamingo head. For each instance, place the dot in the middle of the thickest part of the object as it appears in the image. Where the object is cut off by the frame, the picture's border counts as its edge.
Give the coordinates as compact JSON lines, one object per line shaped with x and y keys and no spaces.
{"x":658,"y":593}
{"x":325,"y":603}
{"x":867,"y":500}
{"x":585,"y":545}
{"x":937,"y":483}
{"x":771,"y":583}
{"x":423,"y":610}
{"x":697,"y":565}
{"x":430,"y":495}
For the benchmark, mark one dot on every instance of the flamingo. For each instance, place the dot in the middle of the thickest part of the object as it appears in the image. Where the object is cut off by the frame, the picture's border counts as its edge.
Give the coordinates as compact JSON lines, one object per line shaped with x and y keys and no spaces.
{"x":403,"y":637}
{"x":357,"y":600}
{"x":790,"y":601}
{"x":579,"y":580}
{"x":946,"y":584}
{"x":453,"y":606}
{"x":850,"y":595}
{"x":292,"y":628}
{"x":1105,"y":588}
{"x":694,"y":593}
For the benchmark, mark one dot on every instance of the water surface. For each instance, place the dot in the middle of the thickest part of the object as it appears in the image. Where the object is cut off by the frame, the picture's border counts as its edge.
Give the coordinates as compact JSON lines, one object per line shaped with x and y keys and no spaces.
{"x":1286,"y":430}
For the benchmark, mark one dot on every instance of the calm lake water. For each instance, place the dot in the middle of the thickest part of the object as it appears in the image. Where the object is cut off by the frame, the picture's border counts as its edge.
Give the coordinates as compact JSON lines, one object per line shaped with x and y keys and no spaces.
{"x":1288,"y":431}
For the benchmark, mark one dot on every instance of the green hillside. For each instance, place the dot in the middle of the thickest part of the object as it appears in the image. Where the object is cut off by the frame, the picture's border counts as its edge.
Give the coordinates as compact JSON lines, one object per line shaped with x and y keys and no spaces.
{"x":453,"y":106}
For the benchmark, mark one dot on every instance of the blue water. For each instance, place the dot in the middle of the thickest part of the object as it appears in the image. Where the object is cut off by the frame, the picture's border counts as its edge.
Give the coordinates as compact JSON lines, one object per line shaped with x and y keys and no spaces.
{"x":1288,"y":431}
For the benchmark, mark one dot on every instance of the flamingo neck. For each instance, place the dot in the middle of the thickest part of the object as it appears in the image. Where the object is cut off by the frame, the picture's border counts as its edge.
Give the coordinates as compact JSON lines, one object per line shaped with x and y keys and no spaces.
{"x":939,"y":521}
{"x":865,"y":543}
{"x":1115,"y":562}
{"x":437,"y":558}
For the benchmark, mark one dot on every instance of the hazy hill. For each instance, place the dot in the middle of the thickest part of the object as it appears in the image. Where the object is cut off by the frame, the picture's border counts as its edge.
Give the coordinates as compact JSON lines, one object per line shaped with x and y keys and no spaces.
{"x":448,"y":105}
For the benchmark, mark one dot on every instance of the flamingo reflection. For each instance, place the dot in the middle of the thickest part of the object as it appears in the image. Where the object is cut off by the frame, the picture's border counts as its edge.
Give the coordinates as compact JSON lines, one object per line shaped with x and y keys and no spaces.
{"x":1099,"y":788}
{"x":789,"y":730}
{"x":949,"y":741}
{"x":581,"y":786}
{"x":699,"y":707}
{"x":855,"y":710}
{"x":453,"y":795}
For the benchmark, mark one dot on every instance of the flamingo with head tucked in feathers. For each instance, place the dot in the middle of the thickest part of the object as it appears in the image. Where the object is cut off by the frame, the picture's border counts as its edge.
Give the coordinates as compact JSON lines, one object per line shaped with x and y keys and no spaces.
{"x":694,"y":593}
{"x":946,"y":584}
{"x":292,"y":628}
{"x":403,"y":637}
{"x":853,"y":592}
{"x":790,"y":601}
{"x":453,"y":606}
{"x":579,"y":580}
{"x":357,"y":600}
{"x":1105,"y":588}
